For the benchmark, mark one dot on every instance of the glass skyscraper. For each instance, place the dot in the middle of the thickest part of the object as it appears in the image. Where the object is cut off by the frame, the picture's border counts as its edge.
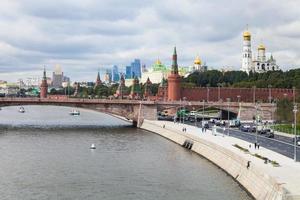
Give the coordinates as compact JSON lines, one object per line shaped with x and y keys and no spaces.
{"x":115,"y":74}
{"x":136,"y":68}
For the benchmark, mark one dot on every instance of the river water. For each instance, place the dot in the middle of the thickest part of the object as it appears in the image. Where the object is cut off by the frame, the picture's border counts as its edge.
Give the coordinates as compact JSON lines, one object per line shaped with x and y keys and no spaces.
{"x":44,"y":154}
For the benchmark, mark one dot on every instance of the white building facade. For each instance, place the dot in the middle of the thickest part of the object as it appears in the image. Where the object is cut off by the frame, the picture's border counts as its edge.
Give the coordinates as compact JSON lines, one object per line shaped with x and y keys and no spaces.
{"x":259,"y":64}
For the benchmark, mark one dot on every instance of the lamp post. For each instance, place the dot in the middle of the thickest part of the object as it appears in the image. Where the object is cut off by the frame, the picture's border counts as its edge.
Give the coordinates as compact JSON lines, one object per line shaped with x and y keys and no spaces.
{"x":228,"y":100}
{"x":295,"y":110}
{"x":254,"y":88}
{"x":207,"y":94}
{"x":256,"y":122}
{"x":294,"y":95}
{"x":184,"y":100}
{"x":270,"y":95}
{"x":219,"y":93}
{"x":238,"y":98}
{"x":203,"y":111}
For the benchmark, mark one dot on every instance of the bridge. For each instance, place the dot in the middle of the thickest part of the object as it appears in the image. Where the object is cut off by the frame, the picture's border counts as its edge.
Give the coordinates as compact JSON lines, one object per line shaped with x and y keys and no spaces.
{"x":138,"y":110}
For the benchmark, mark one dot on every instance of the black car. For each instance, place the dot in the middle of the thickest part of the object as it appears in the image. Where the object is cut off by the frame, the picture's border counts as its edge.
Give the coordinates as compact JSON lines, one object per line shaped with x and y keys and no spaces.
{"x":269,"y":134}
{"x":245,"y":128}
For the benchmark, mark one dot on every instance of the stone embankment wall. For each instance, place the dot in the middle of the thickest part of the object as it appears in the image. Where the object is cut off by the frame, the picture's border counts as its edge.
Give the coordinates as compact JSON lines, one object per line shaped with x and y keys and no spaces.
{"x":260,"y":185}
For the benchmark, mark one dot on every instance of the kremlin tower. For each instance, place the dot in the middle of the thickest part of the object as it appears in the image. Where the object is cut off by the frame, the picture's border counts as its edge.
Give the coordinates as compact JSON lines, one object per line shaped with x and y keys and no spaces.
{"x":44,"y":86}
{"x":121,"y":88}
{"x":247,"y":53}
{"x":174,"y":80}
{"x":98,"y":80}
{"x":147,"y":88}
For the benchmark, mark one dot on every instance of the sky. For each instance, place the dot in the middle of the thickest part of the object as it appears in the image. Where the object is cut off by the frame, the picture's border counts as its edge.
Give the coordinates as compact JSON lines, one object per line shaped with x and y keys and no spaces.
{"x":86,"y":36}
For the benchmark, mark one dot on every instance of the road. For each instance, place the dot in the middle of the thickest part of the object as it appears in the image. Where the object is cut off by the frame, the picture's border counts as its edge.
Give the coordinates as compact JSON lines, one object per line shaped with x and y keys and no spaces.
{"x":280,"y":144}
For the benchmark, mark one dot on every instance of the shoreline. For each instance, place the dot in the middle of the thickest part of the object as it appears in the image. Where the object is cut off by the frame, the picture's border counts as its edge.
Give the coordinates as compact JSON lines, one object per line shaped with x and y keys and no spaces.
{"x":255,"y":178}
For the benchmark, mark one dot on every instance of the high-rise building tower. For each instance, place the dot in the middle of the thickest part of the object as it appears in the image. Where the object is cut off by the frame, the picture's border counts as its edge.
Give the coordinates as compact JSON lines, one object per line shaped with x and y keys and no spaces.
{"x":174,"y":80}
{"x":115,"y":74}
{"x":57,"y":77}
{"x":247,"y":53}
{"x":44,"y":86}
{"x":136,"y":68}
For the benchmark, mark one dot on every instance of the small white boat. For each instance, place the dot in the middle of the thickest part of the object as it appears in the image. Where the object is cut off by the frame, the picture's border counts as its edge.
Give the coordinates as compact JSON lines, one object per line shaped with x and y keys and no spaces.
{"x":21,"y":109}
{"x":75,"y":113}
{"x":93,"y":146}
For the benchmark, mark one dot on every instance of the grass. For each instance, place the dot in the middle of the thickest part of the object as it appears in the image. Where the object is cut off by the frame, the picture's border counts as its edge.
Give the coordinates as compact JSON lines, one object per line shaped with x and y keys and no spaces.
{"x":286,"y":128}
{"x":265,"y":159}
{"x":241,"y":148}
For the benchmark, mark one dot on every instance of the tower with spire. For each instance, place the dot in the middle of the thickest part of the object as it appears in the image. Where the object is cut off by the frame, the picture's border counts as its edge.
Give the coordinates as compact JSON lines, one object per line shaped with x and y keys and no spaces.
{"x":121,"y":88}
{"x":174,"y":80}
{"x":247,"y":53}
{"x":44,"y":86}
{"x":98,"y":80}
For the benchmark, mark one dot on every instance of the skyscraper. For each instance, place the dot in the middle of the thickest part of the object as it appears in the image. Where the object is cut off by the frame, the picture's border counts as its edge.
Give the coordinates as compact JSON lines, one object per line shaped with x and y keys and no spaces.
{"x":115,"y":74}
{"x":57,"y":77}
{"x":136,"y":68}
{"x":128,"y":74}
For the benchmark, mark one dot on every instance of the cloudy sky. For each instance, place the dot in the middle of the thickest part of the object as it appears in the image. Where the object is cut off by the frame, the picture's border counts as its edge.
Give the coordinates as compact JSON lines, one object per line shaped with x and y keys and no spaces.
{"x":83,"y":36}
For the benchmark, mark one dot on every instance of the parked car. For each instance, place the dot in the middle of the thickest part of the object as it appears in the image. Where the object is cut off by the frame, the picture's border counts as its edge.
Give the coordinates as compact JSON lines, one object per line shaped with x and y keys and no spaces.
{"x":245,"y":128}
{"x":269,"y":135}
{"x":297,"y":140}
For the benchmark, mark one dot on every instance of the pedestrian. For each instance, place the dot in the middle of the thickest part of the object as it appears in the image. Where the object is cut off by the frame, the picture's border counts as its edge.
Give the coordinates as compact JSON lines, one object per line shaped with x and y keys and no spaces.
{"x":257,"y":145}
{"x":164,"y":126}
{"x":249,"y":146}
{"x":202,"y":129}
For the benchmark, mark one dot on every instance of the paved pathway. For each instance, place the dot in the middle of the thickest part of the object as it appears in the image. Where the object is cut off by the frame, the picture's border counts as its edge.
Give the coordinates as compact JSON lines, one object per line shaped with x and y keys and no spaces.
{"x":288,"y":173}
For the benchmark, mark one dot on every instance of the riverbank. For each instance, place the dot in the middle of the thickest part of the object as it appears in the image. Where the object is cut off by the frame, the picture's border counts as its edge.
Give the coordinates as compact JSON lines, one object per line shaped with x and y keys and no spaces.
{"x":244,"y":164}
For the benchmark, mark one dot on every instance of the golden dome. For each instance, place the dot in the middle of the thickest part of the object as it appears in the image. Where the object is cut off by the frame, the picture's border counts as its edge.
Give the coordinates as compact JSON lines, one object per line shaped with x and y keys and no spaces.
{"x":247,"y":34}
{"x":197,"y":61}
{"x":261,"y":47}
{"x":157,"y":62}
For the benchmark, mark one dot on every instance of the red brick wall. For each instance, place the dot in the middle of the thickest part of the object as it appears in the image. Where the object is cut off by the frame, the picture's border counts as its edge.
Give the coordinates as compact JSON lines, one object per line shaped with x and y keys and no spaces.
{"x":246,"y":94}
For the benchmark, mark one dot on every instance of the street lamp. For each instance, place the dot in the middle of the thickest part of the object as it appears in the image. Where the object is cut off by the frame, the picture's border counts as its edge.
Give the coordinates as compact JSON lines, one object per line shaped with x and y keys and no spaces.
{"x":270,"y":95}
{"x":256,"y":121}
{"x":254,"y":88}
{"x":207,"y":94}
{"x":228,"y":100}
{"x":184,"y":101}
{"x":203,"y":111}
{"x":219,"y":93}
{"x":238,"y":97}
{"x":295,"y":110}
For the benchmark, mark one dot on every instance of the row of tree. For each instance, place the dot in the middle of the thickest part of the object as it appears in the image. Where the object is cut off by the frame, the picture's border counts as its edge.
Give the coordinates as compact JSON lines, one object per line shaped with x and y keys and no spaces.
{"x":215,"y":78}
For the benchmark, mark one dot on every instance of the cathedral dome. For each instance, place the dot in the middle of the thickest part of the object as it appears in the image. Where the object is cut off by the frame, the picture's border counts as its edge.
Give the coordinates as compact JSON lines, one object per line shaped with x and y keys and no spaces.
{"x":261,"y":47}
{"x":157,"y":62}
{"x":246,"y":34}
{"x":197,"y":61}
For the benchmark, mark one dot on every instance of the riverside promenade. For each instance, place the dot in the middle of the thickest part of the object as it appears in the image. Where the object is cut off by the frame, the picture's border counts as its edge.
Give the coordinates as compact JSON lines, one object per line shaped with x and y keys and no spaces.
{"x":277,"y":178}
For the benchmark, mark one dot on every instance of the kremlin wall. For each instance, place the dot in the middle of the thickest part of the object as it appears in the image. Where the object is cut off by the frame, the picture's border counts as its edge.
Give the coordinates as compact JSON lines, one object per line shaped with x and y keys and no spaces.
{"x":175,"y":92}
{"x":235,"y":94}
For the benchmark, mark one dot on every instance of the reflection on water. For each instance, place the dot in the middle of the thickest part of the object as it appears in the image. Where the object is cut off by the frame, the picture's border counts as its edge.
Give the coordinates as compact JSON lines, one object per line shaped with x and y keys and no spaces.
{"x":127,"y":163}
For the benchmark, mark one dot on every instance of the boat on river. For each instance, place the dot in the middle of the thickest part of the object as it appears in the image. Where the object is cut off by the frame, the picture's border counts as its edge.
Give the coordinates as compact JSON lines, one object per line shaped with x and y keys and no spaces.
{"x":75,"y":113}
{"x":21,"y":109}
{"x":93,"y":146}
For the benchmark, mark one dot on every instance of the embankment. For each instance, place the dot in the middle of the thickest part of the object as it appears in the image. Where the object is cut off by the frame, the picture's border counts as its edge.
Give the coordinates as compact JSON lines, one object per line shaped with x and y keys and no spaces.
{"x":260,"y":185}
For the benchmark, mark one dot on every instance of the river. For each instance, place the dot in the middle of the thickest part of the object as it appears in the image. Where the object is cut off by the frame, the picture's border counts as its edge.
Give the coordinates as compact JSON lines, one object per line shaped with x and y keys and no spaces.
{"x":45,"y":154}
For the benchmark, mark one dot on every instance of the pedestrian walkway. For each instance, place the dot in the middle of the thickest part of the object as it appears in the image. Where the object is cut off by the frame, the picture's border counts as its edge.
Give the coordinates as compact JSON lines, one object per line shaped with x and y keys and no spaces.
{"x":288,"y":173}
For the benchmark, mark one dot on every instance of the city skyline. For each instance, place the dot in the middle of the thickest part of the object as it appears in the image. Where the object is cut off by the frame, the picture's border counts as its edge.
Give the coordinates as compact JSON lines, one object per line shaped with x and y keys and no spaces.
{"x":35,"y":34}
